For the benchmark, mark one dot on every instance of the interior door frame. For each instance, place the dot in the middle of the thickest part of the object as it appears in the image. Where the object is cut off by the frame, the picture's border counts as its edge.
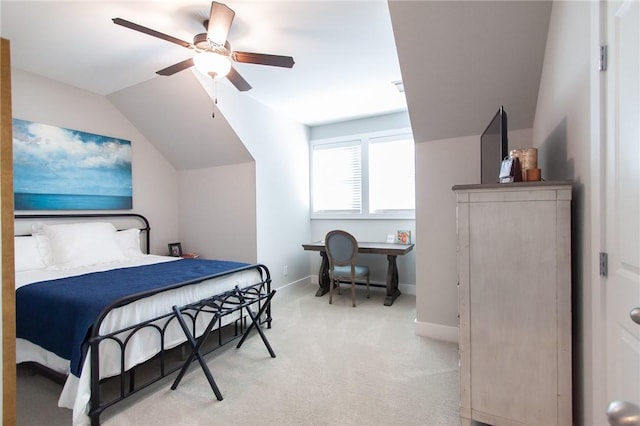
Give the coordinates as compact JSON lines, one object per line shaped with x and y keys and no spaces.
{"x":7,"y":230}
{"x":614,"y":16}
{"x":595,"y":390}
{"x":599,"y":148}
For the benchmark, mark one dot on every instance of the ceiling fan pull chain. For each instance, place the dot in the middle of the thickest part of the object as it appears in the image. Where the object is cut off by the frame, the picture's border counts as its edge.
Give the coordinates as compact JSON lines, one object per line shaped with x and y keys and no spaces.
{"x":215,"y":98}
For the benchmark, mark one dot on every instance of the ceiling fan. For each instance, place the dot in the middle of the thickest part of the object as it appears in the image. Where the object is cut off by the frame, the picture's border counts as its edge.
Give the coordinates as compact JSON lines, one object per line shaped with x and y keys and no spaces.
{"x":213,"y":51}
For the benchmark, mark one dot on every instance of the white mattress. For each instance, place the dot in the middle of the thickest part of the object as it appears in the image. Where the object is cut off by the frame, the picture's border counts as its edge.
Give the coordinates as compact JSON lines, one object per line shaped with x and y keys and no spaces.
{"x":142,"y":346}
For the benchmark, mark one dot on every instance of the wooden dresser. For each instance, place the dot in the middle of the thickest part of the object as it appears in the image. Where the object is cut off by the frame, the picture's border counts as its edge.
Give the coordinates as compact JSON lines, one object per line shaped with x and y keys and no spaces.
{"x":514,"y":271}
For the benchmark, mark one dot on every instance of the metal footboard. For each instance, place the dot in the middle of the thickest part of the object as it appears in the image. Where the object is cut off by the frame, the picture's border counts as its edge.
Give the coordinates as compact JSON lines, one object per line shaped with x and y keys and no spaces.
{"x":126,"y":379}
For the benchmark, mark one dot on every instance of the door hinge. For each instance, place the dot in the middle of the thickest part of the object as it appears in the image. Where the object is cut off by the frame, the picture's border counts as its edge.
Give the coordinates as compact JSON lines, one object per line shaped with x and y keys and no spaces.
{"x":604,"y":264}
{"x":603,"y":58}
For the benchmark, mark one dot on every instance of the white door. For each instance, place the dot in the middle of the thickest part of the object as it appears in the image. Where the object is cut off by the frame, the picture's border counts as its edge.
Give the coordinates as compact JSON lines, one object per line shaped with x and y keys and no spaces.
{"x":622,"y":209}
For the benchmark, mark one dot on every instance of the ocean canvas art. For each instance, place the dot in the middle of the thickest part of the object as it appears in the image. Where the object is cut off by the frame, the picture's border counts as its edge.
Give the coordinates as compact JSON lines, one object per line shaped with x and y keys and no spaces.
{"x":63,"y":169}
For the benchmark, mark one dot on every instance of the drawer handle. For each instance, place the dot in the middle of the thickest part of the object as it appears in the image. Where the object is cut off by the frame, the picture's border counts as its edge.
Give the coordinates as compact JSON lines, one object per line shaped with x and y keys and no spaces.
{"x":635,"y":315}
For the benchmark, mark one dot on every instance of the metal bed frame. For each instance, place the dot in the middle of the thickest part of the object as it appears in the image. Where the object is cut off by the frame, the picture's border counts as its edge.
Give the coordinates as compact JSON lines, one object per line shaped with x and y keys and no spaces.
{"x":258,"y":294}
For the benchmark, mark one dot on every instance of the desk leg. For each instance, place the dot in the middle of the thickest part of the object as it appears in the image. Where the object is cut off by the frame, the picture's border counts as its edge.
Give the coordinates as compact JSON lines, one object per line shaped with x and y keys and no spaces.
{"x":392,"y":281}
{"x":323,"y":275}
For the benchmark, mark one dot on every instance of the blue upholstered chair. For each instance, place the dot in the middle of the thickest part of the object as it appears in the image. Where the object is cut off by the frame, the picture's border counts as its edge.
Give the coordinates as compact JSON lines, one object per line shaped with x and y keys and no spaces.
{"x":342,"y":249}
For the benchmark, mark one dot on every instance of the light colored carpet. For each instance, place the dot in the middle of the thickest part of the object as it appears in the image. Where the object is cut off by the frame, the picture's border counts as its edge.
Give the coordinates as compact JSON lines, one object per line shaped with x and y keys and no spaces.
{"x":335,"y":365}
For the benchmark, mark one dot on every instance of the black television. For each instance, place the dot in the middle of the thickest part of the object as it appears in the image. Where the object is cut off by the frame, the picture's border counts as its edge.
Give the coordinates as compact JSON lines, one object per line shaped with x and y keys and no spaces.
{"x":493,"y":147}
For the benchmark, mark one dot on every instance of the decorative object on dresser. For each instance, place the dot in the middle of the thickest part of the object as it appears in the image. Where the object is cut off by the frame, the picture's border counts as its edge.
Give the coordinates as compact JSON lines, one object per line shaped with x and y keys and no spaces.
{"x":510,"y":170}
{"x":514,"y":272}
{"x":528,"y":162}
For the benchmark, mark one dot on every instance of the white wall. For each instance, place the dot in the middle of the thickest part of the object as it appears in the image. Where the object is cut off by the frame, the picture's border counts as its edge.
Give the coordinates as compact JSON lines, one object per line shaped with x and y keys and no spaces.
{"x":154,"y":179}
{"x":218,"y":219}
{"x":561,"y":132}
{"x":279,"y":146}
{"x":381,"y":123}
{"x":439,"y":166}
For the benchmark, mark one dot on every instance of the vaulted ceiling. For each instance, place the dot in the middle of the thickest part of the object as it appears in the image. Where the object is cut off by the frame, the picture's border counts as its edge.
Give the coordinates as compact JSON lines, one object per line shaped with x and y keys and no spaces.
{"x":459,"y":60}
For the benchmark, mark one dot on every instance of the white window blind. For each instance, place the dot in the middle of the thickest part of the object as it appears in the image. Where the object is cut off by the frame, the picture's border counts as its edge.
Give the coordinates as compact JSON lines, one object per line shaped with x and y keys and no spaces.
{"x":336,"y":179}
{"x":370,"y":177}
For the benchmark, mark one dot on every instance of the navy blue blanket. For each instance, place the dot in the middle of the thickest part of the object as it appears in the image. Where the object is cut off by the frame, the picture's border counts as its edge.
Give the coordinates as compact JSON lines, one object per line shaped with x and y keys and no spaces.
{"x":58,"y":314}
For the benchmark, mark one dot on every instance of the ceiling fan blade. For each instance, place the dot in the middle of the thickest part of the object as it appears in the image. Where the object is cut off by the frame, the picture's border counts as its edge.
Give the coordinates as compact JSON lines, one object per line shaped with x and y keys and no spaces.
{"x":183,"y":65}
{"x":263,"y":59}
{"x":220,"y":19}
{"x":149,"y":31}
{"x":237,"y":80}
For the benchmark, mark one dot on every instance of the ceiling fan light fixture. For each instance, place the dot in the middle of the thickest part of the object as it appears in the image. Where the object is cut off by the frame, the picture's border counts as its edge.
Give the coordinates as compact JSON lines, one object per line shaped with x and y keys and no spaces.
{"x":212,"y":63}
{"x":213,"y":54}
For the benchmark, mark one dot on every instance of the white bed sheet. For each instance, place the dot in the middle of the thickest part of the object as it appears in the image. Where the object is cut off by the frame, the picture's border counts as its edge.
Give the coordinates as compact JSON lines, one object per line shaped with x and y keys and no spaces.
{"x":142,"y":346}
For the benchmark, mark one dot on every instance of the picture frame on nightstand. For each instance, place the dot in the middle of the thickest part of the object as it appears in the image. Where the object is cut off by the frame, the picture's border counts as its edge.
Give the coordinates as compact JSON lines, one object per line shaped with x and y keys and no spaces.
{"x":175,"y":249}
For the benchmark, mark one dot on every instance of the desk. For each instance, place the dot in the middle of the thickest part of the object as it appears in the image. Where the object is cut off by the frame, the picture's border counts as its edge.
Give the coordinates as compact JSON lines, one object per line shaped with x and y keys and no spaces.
{"x":391,"y":250}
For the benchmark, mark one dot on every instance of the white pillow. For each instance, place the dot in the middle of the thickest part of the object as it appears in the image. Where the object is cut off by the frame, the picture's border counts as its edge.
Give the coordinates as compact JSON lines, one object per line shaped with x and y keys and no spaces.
{"x":129,"y":242}
{"x":27,"y":255}
{"x":78,"y":244}
{"x":44,"y":247}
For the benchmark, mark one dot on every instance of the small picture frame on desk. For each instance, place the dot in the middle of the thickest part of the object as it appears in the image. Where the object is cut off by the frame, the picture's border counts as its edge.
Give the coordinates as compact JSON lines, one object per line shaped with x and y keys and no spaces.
{"x":403,"y":236}
{"x":175,"y":249}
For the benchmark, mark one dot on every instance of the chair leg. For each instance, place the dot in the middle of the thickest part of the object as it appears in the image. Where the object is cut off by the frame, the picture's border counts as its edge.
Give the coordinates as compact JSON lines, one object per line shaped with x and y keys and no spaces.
{"x":353,"y":292}
{"x":368,"y":292}
{"x":331,"y":290}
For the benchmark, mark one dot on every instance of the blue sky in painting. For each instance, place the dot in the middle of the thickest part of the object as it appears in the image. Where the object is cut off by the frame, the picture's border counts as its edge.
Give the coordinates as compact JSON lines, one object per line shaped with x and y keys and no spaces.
{"x":53,"y":160}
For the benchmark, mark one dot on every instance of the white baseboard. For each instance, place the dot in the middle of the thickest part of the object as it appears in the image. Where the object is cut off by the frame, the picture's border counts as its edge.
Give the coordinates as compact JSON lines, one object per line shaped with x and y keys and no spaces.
{"x":407,"y":289}
{"x":436,"y":331}
{"x":300,"y":281}
{"x":404,"y":288}
{"x":425,"y":329}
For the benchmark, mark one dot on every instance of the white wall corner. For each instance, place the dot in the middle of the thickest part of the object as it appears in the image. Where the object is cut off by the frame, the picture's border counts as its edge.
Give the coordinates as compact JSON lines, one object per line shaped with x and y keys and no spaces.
{"x":407,"y":289}
{"x":444,"y":333}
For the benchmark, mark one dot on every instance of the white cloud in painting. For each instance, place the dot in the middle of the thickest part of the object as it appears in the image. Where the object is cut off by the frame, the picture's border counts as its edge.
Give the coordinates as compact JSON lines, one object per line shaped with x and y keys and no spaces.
{"x":54,"y":160}
{"x":61,"y":148}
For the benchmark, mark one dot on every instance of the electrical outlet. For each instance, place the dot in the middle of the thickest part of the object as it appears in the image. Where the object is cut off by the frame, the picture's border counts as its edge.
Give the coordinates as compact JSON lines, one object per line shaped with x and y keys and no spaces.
{"x":285,"y":270}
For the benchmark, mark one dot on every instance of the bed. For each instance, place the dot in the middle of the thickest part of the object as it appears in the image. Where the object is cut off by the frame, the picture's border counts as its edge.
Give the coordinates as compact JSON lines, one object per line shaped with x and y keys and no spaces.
{"x":93,"y":307}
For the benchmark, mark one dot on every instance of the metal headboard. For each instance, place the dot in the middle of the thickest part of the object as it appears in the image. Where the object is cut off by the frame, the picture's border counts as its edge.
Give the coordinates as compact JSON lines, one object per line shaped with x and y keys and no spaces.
{"x":64,"y":216}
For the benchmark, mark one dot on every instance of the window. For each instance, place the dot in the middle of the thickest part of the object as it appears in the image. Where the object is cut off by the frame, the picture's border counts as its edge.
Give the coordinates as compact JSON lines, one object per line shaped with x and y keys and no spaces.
{"x":337,"y":176}
{"x":369,"y":177}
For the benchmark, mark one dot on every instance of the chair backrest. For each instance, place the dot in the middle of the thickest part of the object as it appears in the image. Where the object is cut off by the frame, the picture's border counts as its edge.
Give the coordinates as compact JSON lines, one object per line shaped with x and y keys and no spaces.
{"x":342,"y":248}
